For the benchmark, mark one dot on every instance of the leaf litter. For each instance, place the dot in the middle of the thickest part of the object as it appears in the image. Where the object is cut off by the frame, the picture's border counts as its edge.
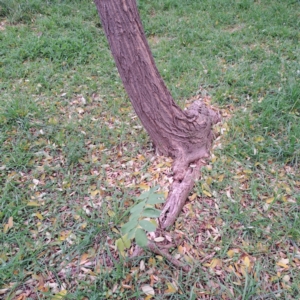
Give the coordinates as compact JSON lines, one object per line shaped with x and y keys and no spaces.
{"x":198,"y":233}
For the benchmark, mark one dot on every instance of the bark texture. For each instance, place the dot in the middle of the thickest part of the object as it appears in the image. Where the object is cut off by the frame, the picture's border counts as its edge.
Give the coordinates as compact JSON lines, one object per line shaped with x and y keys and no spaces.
{"x":185,"y":135}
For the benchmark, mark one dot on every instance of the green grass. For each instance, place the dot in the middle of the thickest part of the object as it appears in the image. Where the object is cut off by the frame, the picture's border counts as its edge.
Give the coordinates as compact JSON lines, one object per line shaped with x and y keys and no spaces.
{"x":73,"y":156}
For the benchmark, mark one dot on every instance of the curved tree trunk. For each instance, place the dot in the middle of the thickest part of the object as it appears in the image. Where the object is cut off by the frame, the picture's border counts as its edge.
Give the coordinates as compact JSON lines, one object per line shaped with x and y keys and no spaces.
{"x":184,"y":135}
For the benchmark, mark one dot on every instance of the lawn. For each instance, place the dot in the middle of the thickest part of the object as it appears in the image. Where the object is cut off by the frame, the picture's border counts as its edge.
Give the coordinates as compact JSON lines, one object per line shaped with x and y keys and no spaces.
{"x":74,"y":156}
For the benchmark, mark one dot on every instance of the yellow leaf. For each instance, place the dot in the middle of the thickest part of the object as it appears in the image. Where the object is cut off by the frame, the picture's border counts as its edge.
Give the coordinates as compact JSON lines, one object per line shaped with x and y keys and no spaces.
{"x":287,"y":188}
{"x":60,"y":295}
{"x":84,"y":258}
{"x":193,"y":197}
{"x":274,"y":278}
{"x":181,"y":250}
{"x":94,"y":193}
{"x":3,"y":257}
{"x":39,"y":216}
{"x":282,"y":265}
{"x":5,"y":229}
{"x":152,"y":261}
{"x":188,"y":259}
{"x":208,"y":194}
{"x":120,"y":246}
{"x":231,"y":268}
{"x":230,"y":253}
{"x":110,"y":213}
{"x":53,"y":121}
{"x":243,"y":270}
{"x":209,"y":180}
{"x":143,"y":186}
{"x":237,"y":282}
{"x":205,"y":186}
{"x":33,"y":203}
{"x":270,"y":200}
{"x":10,"y":222}
{"x":258,"y":139}
{"x":141,"y":158}
{"x":221,"y":177}
{"x":247,"y":262}
{"x":171,"y":288}
{"x":64,"y":235}
{"x":83,"y":225}
{"x":214,"y":263}
{"x":115,"y":230}
{"x":247,"y":171}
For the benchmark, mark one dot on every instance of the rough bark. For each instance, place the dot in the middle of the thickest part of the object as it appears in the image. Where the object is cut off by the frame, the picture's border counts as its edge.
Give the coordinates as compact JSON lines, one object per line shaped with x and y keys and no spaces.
{"x":185,"y":135}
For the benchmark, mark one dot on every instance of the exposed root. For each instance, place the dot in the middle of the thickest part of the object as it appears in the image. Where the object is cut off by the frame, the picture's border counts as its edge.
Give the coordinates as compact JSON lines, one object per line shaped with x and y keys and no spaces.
{"x":178,"y":194}
{"x":173,"y":206}
{"x":153,"y":247}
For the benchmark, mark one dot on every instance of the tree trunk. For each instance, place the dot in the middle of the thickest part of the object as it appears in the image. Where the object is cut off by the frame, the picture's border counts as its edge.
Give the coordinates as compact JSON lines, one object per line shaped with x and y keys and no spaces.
{"x":184,"y":135}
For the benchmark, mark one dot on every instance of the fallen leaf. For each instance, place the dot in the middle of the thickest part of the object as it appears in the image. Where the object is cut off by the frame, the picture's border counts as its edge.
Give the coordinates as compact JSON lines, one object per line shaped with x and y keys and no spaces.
{"x":142,"y":265}
{"x":230,"y":253}
{"x":221,"y":177}
{"x":10,"y":222}
{"x":247,"y":262}
{"x":84,"y":258}
{"x":3,"y":291}
{"x":110,"y":213}
{"x":94,"y":193}
{"x":148,"y":290}
{"x":284,"y":260}
{"x":159,"y":239}
{"x":214,"y":263}
{"x":80,"y":110}
{"x":171,"y":288}
{"x":270,"y":200}
{"x":258,"y":139}
{"x":60,"y":295}
{"x":39,"y":216}
{"x":280,"y":264}
{"x":33,"y":203}
{"x":181,"y":249}
{"x":144,"y":186}
{"x":193,"y":197}
{"x":286,"y":278}
{"x":188,"y":259}
{"x":208,"y":194}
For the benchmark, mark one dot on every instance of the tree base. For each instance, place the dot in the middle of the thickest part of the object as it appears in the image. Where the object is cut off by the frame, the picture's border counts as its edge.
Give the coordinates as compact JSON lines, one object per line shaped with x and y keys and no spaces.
{"x":186,"y":168}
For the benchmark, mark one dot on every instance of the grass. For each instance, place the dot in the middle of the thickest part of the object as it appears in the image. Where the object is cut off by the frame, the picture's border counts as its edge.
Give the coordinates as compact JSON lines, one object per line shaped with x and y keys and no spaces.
{"x":73,"y":156}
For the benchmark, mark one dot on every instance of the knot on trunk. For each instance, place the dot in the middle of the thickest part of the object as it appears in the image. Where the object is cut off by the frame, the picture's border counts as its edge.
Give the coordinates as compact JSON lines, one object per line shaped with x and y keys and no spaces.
{"x":199,"y":110}
{"x":199,"y":139}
